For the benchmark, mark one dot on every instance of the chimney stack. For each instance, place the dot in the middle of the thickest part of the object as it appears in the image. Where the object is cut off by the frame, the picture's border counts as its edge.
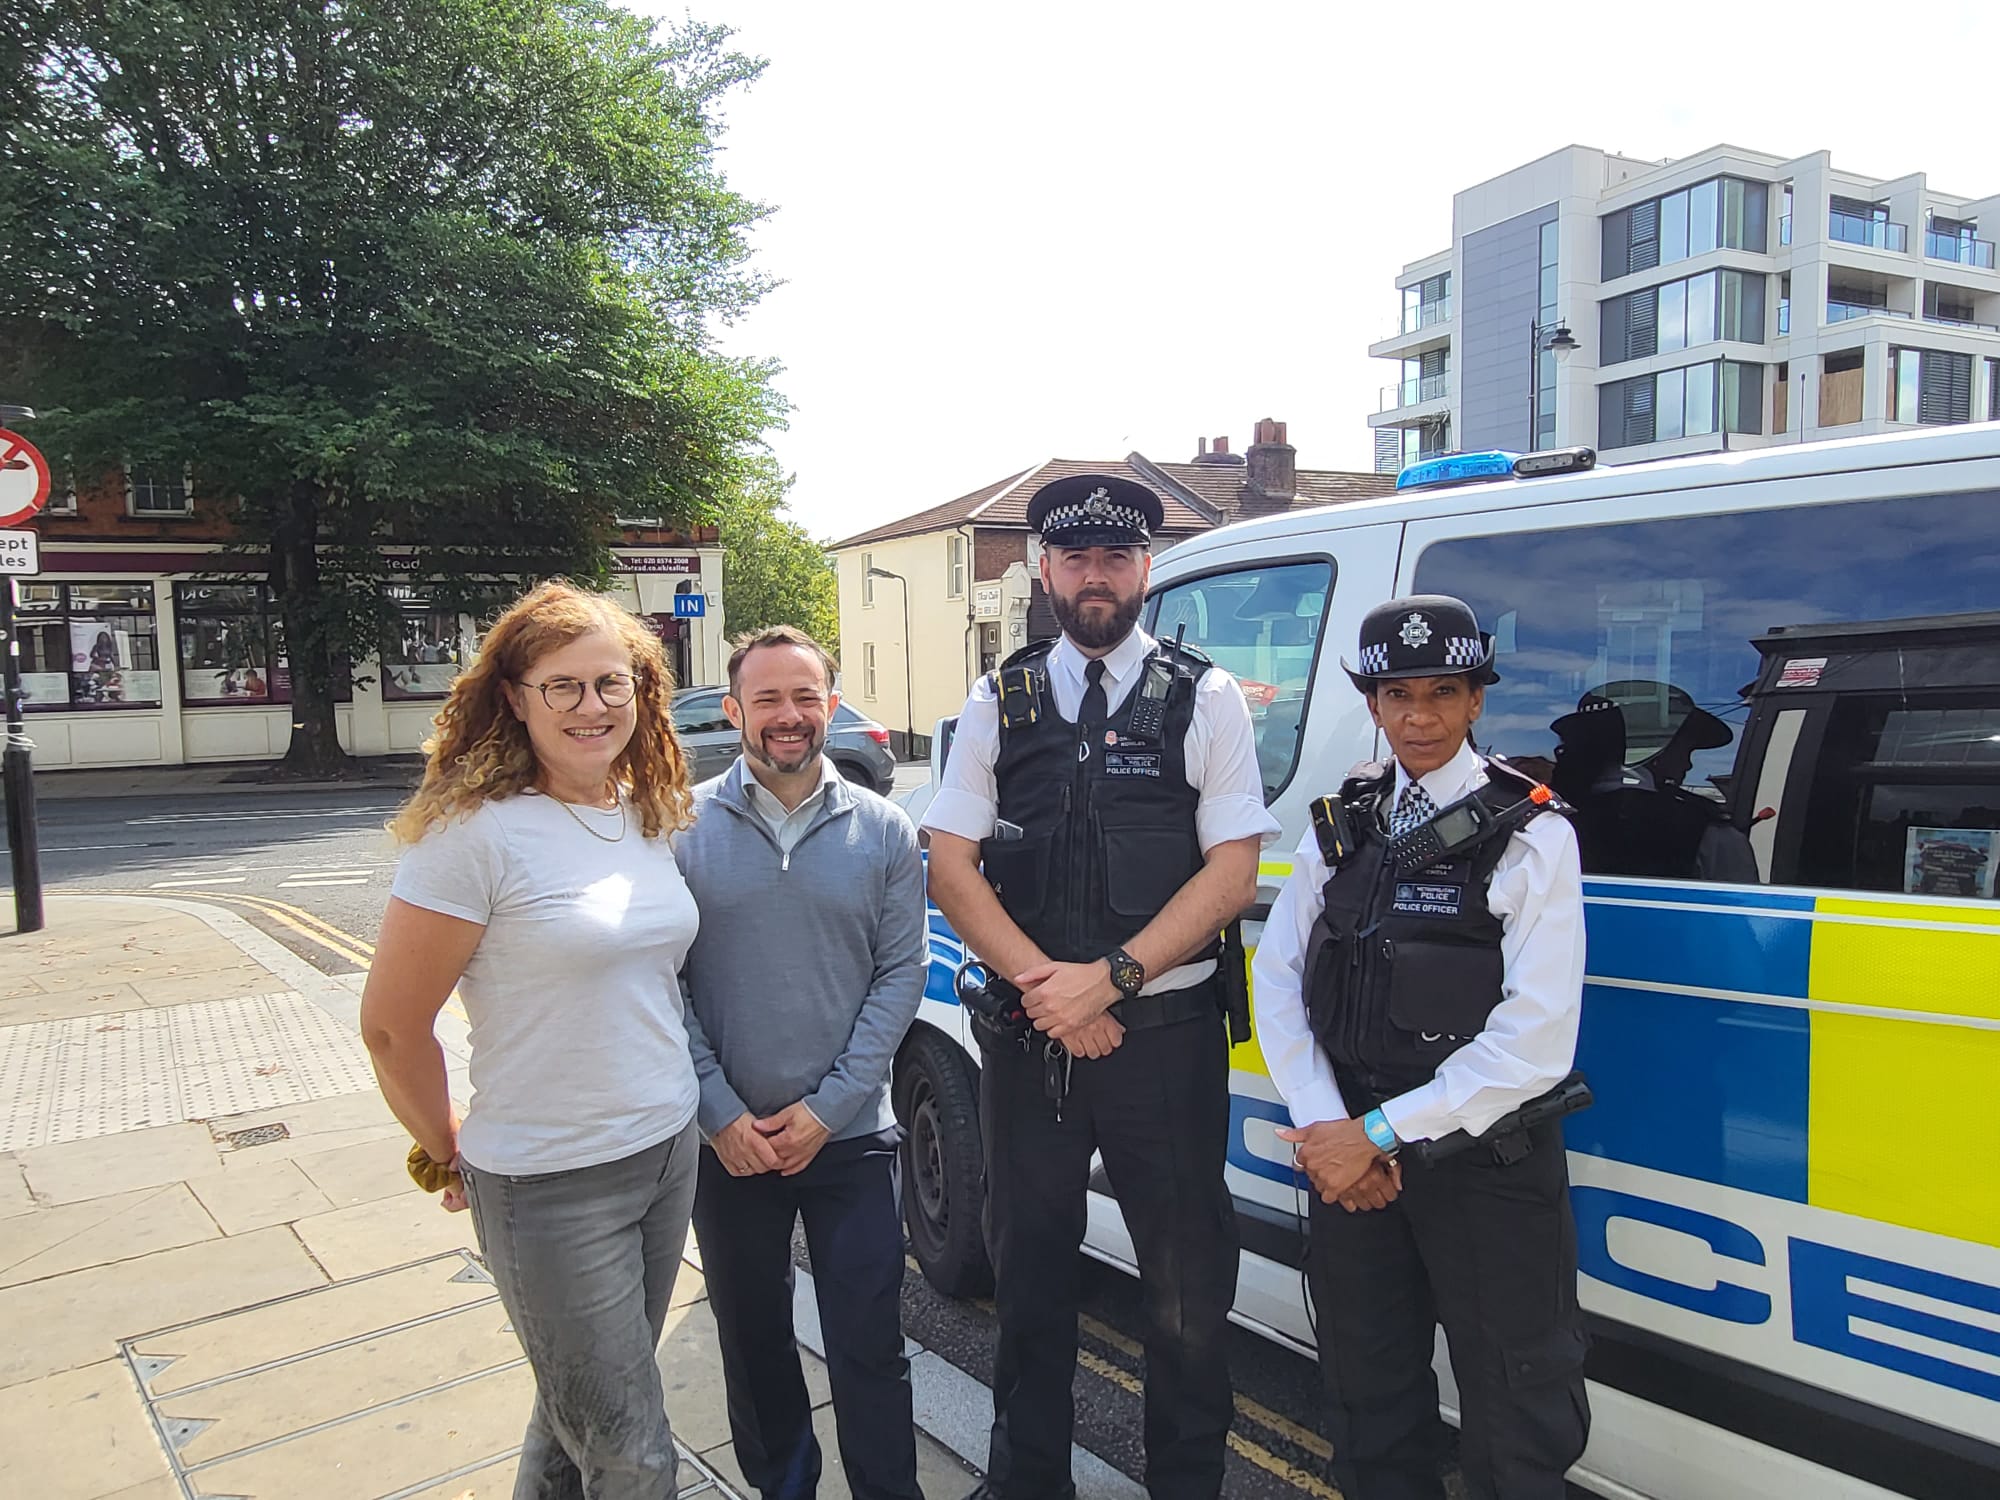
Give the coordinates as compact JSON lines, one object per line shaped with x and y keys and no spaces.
{"x":1215,"y":451}
{"x":1274,"y":463}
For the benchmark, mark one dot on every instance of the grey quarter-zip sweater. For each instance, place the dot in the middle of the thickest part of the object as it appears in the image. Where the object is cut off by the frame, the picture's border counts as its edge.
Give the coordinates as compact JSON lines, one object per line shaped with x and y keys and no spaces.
{"x":810,"y":963}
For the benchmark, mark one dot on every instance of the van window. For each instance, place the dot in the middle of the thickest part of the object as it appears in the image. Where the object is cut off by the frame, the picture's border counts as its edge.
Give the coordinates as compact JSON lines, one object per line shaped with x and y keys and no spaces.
{"x":1262,"y":625}
{"x":1721,"y":697}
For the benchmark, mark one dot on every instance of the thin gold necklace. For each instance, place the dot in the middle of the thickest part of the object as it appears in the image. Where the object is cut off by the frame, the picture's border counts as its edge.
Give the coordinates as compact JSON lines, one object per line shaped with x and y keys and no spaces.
{"x":577,"y":818}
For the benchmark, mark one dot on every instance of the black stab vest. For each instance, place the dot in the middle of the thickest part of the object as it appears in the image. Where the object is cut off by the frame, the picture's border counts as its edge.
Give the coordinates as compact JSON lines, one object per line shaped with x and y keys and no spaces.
{"x":1109,"y":824}
{"x":1402,"y":969}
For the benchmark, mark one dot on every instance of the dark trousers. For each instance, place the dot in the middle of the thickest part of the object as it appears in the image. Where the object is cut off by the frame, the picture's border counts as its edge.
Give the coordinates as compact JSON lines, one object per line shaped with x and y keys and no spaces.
{"x":1489,"y":1251}
{"x":1158,"y":1110}
{"x":848,"y":1200}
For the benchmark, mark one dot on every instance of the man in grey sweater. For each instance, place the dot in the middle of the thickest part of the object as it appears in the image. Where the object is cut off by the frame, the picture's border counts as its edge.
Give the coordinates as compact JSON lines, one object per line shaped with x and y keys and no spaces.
{"x":803,"y":980}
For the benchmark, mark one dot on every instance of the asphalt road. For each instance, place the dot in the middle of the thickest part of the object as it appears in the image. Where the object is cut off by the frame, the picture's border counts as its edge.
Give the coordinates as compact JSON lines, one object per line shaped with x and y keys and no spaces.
{"x":313,"y":869}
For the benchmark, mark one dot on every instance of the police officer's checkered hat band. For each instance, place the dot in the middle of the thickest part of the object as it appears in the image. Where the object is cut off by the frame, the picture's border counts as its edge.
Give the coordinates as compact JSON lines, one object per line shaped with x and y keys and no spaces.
{"x":1425,"y":635}
{"x":1095,"y":510}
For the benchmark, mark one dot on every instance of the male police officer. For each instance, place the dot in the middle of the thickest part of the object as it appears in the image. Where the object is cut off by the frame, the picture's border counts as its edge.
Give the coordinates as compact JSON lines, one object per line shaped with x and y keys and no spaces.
{"x":1421,"y":974}
{"x":1110,"y":787}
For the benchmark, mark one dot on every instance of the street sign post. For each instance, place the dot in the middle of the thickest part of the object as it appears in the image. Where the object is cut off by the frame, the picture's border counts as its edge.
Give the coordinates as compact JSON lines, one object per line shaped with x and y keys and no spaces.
{"x":24,"y":490}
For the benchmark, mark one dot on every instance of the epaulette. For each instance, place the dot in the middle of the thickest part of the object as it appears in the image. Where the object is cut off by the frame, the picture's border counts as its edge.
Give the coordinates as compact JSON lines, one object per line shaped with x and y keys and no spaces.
{"x":1029,"y":654}
{"x":1198,"y":659}
{"x":1368,"y":776}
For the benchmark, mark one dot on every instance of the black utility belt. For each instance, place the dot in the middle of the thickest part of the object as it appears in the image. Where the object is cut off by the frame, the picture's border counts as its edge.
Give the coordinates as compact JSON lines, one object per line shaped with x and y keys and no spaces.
{"x":1169,"y":1008}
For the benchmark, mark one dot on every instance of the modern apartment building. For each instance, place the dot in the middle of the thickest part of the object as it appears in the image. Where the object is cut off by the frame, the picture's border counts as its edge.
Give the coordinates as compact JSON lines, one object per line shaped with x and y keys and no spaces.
{"x":1727,"y":299}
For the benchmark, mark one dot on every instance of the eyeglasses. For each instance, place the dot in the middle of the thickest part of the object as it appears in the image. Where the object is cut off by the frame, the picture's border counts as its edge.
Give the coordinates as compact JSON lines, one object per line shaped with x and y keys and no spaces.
{"x":614,"y":690}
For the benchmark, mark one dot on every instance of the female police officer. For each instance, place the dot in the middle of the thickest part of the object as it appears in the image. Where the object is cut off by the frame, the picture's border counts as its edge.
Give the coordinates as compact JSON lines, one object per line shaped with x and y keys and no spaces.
{"x":1420,"y":975}
{"x":1109,"y":787}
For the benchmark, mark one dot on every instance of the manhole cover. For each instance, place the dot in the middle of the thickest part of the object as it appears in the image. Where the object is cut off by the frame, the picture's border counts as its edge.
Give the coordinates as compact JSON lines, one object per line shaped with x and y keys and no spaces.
{"x":257,"y":1135}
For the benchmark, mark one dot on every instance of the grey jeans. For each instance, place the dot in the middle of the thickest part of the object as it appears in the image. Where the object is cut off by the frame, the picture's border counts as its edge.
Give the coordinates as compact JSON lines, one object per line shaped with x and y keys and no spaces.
{"x":585,"y":1264}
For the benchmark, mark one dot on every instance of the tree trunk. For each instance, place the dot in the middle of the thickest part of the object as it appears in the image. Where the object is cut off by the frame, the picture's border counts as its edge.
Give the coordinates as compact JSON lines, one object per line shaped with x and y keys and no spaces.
{"x":314,"y":753}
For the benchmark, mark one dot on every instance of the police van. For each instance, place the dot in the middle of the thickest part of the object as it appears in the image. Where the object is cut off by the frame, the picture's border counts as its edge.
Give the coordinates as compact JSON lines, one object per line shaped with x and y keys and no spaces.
{"x":1769,"y":682}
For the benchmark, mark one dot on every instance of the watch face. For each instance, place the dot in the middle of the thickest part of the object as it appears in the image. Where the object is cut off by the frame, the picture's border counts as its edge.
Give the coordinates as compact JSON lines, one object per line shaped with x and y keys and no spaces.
{"x":1127,"y":974}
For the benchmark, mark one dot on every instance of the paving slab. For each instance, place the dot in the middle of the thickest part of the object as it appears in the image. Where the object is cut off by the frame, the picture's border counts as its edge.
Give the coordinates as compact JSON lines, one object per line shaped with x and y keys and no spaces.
{"x":691,"y":1377}
{"x":15,"y":1195}
{"x":304,"y":1121}
{"x":940,"y":1473}
{"x":360,"y":1174}
{"x":78,"y":1318}
{"x":387,"y":1232}
{"x":96,"y":998}
{"x":79,"y":1435}
{"x":248,"y":1195}
{"x":338,"y":1383}
{"x":73,"y":1171}
{"x":101,"y":1231}
{"x":492,"y":1482}
{"x":210,"y":1349}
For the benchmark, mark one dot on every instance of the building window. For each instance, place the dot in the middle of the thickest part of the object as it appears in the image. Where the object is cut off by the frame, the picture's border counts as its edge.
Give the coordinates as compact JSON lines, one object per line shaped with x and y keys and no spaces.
{"x":88,"y":645}
{"x":1930,"y":387}
{"x":1724,"y":213}
{"x":954,"y":566}
{"x":1993,"y":390}
{"x":1721,"y":395}
{"x":1427,"y":303}
{"x":868,"y":583}
{"x":1263,"y":625}
{"x":158,"y":490}
{"x":1545,"y":359}
{"x":1666,"y":621}
{"x":868,"y":670}
{"x":232,"y":647}
{"x":422,"y":655}
{"x":1683,"y":315}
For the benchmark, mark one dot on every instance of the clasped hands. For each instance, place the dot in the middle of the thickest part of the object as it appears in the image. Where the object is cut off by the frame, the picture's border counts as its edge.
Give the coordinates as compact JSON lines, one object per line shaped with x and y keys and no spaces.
{"x":1344,"y":1166}
{"x":785,"y":1143}
{"x":1069,"y":1001}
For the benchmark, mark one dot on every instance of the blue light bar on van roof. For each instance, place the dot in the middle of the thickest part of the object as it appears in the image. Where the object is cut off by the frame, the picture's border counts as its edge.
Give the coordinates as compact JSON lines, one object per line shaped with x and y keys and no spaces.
{"x":1457,"y":468}
{"x":1469,"y":468}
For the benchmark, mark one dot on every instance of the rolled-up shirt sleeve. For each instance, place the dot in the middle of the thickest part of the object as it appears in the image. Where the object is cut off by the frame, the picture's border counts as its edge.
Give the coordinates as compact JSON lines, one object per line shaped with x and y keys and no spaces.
{"x":1299,"y":1069}
{"x":968,"y":798}
{"x":1222,"y":764}
{"x":1528,"y":1043}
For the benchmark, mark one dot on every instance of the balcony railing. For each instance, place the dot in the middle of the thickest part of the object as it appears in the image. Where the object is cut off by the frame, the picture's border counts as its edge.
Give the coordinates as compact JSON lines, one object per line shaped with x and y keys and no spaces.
{"x":1424,"y":315}
{"x":1416,"y":392}
{"x":1841,"y":312}
{"x":1961,"y":323}
{"x":1960,"y":249}
{"x":1878,"y":234}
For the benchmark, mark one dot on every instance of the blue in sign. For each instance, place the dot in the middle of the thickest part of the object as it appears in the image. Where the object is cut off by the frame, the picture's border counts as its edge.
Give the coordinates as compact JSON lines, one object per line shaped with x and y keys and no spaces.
{"x":687,"y":605}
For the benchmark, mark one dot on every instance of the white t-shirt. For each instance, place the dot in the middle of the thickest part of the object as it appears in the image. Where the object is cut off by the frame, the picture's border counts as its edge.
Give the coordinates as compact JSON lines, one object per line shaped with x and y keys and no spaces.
{"x":579,"y":1050}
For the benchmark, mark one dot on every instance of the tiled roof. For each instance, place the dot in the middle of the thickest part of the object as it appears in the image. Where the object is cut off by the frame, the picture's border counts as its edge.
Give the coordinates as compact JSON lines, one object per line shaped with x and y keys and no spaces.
{"x":1221,"y":493}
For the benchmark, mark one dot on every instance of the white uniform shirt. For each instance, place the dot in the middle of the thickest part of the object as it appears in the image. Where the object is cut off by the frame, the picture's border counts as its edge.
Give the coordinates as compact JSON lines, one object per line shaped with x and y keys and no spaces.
{"x":1529,"y":1042}
{"x":788,"y":825}
{"x":1220,"y":750}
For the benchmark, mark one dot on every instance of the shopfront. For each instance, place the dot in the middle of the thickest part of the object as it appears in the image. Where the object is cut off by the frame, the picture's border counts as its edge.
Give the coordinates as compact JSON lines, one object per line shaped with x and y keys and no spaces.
{"x":144,"y":659}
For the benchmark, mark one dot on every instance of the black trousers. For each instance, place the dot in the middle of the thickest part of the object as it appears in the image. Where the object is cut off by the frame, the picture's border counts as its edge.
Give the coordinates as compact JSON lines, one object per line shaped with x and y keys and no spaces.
{"x":1158,"y":1110}
{"x":848,"y":1200}
{"x":1489,"y":1251}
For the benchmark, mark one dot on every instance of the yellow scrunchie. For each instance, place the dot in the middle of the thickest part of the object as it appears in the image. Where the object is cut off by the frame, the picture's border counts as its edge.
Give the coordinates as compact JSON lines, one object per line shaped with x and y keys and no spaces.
{"x":430,"y":1174}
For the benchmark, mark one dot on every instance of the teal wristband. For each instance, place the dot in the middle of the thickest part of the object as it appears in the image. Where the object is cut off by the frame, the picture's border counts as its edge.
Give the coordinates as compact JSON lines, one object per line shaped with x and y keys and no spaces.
{"x":1379,"y":1130}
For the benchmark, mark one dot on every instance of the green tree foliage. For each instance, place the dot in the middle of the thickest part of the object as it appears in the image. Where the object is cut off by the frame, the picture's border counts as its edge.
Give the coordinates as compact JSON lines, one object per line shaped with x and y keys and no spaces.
{"x":773,"y":571}
{"x":431,"y":276}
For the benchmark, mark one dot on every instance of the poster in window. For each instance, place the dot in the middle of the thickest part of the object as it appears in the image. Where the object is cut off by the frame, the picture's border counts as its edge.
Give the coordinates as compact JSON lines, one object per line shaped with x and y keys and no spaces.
{"x":223,"y":660}
{"x":44,"y":689}
{"x":104,"y":665}
{"x":1950,"y":862}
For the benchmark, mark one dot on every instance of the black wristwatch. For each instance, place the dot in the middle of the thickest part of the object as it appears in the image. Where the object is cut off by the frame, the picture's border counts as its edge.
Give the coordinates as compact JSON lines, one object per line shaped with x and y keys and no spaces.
{"x":1126,"y":972}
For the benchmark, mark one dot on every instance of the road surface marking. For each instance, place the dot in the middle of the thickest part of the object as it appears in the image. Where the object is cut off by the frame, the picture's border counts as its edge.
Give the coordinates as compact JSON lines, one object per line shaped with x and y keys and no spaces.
{"x":258,"y":817}
{"x":208,"y":880}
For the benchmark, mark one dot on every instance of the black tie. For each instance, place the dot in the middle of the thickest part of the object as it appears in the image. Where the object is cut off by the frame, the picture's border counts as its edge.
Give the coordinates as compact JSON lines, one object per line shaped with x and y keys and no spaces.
{"x":1094,"y":711}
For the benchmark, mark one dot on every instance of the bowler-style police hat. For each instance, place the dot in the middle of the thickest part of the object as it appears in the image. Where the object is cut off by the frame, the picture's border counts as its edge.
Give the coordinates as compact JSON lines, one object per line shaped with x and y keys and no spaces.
{"x":1094,"y":510}
{"x":1425,"y":635}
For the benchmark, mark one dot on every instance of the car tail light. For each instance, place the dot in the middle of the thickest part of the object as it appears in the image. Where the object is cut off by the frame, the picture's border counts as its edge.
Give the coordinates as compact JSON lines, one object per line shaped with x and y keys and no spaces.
{"x":877,"y":733}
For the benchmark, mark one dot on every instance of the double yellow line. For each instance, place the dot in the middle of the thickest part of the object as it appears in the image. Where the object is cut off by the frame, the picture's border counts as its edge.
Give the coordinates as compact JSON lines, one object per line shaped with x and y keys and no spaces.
{"x":323,"y":934}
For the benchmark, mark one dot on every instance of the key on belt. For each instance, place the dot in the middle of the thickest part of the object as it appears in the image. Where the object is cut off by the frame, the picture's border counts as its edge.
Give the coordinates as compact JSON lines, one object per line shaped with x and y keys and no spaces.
{"x":1056,"y":1061}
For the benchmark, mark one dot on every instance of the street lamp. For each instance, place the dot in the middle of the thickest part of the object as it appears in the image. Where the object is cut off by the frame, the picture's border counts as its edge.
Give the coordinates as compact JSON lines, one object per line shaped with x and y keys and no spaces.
{"x":1555,"y":338}
{"x":909,"y":682}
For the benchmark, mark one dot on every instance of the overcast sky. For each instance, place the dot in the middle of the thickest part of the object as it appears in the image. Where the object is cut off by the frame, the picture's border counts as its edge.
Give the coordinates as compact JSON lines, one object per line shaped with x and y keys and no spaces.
{"x":1011,"y":232}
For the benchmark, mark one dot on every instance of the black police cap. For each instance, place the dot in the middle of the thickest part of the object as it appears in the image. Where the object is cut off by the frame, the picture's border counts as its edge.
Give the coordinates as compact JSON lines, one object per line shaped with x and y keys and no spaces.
{"x":1094,"y":510}
{"x":1424,"y":635}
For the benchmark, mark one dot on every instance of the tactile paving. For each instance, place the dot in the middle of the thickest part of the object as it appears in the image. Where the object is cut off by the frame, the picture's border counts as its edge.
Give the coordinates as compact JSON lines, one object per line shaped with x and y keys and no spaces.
{"x":85,"y":1076}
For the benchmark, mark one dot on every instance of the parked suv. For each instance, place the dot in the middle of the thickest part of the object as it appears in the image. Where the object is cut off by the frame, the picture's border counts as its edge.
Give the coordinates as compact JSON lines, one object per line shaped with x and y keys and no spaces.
{"x":855,"y":743}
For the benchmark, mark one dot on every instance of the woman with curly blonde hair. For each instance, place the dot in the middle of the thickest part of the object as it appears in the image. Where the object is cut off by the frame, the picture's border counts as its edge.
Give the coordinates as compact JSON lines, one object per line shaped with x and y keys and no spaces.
{"x":536,"y":878}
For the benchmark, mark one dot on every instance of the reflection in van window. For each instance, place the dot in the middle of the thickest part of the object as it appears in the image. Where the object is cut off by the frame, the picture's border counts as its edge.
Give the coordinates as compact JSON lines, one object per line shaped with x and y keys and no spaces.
{"x":1261,"y":625}
{"x":1797,"y":696}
